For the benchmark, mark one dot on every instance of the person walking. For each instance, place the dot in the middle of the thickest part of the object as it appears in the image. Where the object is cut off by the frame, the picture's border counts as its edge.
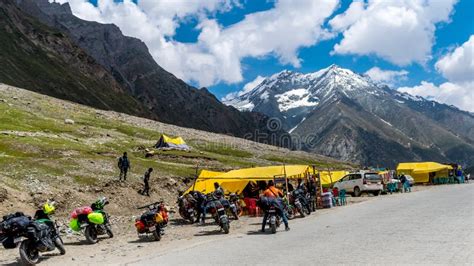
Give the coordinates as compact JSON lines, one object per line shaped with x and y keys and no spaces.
{"x":405,"y":183}
{"x":124,"y":166}
{"x":146,"y":180}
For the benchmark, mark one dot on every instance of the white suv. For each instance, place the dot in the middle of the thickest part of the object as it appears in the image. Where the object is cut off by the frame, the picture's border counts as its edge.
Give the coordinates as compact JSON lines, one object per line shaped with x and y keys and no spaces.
{"x":356,"y":183}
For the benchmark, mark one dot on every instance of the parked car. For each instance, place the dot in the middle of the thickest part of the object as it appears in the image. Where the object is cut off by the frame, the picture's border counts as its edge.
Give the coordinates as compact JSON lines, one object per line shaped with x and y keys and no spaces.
{"x":356,"y":183}
{"x":410,"y":179}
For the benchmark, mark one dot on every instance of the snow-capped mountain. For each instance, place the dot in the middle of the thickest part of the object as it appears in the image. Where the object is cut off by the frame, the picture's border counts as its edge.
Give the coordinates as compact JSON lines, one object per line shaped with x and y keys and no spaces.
{"x":339,"y":113}
{"x":294,"y":95}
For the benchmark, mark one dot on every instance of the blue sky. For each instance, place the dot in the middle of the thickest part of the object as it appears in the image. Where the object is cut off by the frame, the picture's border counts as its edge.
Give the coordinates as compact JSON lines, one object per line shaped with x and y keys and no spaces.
{"x":318,"y":56}
{"x":421,"y":46}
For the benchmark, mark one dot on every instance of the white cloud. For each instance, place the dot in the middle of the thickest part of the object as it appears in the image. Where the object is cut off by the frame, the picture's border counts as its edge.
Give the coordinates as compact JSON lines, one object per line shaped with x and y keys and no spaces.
{"x":458,"y":66}
{"x":460,"y":95}
{"x":400,"y":31}
{"x":247,"y":88}
{"x":388,"y":77}
{"x":216,"y":56}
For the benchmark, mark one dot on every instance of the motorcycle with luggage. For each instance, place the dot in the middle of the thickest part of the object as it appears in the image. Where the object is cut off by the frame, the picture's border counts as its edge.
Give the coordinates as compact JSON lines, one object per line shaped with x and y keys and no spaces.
{"x":92,"y":221}
{"x":152,"y":221}
{"x":33,"y":237}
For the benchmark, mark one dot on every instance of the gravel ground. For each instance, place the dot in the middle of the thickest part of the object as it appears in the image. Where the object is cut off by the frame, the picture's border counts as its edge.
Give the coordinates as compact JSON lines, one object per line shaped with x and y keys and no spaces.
{"x":434,"y":226}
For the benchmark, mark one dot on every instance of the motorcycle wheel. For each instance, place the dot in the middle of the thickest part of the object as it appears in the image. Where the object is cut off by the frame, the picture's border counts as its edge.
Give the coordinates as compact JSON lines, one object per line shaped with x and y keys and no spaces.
{"x":58,"y":242}
{"x":91,"y":234}
{"x":108,"y":230}
{"x":157,"y":234}
{"x":273,"y":228}
{"x":300,"y":210}
{"x":226,"y":227}
{"x":28,"y":254}
{"x":308,"y":210}
{"x":291,"y":215}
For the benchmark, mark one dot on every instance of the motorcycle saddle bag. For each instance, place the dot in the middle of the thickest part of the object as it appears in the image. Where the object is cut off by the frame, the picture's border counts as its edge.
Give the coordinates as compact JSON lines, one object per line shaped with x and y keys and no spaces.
{"x":9,"y":243}
{"x":148,"y":216}
{"x":18,"y":222}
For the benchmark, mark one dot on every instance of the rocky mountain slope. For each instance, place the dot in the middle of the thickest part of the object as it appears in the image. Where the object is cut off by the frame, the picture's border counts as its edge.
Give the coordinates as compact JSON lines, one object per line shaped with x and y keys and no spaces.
{"x":39,"y":58}
{"x":341,"y":114}
{"x":43,"y":157}
{"x":164,"y":96}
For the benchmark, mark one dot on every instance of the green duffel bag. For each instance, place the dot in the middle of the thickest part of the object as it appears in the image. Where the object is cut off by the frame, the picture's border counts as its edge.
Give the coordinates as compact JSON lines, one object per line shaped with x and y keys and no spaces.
{"x":96,"y":218}
{"x":74,"y":225}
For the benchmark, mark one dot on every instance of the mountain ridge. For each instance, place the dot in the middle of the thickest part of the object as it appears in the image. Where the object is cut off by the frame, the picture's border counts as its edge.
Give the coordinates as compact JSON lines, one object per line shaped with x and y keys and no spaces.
{"x":348,"y":112}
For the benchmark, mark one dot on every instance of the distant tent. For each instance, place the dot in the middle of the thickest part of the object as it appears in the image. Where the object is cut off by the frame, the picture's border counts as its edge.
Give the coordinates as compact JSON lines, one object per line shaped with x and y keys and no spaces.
{"x":166,"y":142}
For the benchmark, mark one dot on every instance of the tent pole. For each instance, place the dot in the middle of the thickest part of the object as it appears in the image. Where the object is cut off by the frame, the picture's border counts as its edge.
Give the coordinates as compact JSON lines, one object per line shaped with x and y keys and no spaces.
{"x":196,"y":176}
{"x":286,"y":179}
{"x":320,"y":184}
{"x":330,"y":175}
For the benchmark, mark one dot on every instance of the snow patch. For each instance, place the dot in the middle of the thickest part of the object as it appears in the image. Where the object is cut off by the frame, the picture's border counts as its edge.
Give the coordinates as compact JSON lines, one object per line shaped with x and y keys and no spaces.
{"x":386,"y":122}
{"x":293,"y":129}
{"x":295,"y":98}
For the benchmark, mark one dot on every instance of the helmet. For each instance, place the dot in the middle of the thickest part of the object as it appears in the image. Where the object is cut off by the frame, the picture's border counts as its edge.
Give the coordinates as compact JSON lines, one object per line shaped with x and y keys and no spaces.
{"x":48,"y":207}
{"x":101,"y":202}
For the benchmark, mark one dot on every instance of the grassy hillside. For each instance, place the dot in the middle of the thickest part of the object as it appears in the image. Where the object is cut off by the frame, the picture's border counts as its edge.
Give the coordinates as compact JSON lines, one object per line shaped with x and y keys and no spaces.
{"x":43,"y":157}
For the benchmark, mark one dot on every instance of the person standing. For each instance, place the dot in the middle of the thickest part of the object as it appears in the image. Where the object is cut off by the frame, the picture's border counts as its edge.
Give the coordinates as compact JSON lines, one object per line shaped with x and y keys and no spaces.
{"x":124,"y":166}
{"x":146,"y":180}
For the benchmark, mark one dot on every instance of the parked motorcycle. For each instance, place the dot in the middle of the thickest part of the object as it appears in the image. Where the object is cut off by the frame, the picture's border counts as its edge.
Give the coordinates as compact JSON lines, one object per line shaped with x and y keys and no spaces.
{"x":187,"y":208}
{"x":311,"y":199}
{"x":152,"y":221}
{"x":288,"y":209}
{"x":218,"y":211}
{"x":93,"y":221}
{"x":298,"y":199}
{"x":34,"y":236}
{"x":235,"y":207}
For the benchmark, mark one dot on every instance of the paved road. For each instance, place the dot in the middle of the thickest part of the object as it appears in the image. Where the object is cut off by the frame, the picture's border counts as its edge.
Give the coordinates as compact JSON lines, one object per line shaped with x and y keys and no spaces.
{"x":434,"y":226}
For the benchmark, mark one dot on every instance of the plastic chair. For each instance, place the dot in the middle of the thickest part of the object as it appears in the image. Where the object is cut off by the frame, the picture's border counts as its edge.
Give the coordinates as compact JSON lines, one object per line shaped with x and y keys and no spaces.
{"x":342,"y":197}
{"x":391,"y":187}
{"x":252,"y":208}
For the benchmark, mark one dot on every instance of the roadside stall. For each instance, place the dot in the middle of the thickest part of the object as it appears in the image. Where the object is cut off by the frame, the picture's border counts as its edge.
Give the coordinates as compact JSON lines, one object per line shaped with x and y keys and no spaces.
{"x":425,"y":172}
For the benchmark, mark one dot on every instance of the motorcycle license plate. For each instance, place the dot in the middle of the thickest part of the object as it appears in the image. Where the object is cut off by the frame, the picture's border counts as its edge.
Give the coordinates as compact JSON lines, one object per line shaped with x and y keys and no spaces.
{"x":271,"y":211}
{"x":232,"y":205}
{"x":190,"y":210}
{"x":152,"y":228}
{"x":220,"y":209}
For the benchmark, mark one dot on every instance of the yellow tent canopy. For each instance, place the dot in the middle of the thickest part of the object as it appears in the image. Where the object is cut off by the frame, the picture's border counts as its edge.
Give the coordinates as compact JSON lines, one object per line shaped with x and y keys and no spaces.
{"x":267,"y":172}
{"x":235,"y":181}
{"x":420,"y":171}
{"x":330,"y":177}
{"x":206,"y":180}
